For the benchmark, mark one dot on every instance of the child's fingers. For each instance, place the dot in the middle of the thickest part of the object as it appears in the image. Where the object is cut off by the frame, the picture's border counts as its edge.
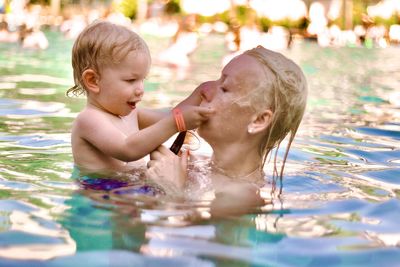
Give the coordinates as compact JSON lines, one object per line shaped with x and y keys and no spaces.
{"x":206,"y":111}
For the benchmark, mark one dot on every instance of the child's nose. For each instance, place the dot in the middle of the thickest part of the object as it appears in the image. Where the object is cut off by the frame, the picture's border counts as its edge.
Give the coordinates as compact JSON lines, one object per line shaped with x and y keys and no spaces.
{"x":207,"y":91}
{"x":139,"y":89}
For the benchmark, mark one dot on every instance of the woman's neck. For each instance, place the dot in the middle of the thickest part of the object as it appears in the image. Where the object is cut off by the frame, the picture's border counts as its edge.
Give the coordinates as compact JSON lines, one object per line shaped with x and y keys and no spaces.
{"x":237,"y":161}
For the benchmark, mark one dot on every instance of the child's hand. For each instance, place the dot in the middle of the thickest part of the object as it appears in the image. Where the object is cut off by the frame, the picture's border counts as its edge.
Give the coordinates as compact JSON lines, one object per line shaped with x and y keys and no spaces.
{"x":194,"y":116}
{"x":194,"y":99}
{"x":206,"y":90}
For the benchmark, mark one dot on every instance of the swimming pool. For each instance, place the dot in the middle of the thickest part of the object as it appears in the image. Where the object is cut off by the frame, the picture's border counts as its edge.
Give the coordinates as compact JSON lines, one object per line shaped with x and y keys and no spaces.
{"x":341,"y":197}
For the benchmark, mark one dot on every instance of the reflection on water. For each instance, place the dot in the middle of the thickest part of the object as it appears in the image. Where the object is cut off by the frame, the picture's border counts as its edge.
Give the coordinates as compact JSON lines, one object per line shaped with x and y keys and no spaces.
{"x":341,"y":192}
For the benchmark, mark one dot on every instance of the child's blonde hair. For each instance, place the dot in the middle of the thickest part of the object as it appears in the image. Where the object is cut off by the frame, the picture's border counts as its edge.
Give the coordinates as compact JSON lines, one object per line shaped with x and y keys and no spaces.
{"x":102,"y":43}
{"x":285,"y":95}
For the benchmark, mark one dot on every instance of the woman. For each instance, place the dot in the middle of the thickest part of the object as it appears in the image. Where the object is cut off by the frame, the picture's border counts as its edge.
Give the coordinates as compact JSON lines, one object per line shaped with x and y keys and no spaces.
{"x":259,"y":98}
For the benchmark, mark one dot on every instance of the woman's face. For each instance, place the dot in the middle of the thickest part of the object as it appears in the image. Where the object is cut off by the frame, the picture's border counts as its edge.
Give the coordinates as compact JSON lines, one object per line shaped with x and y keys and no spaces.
{"x":229,"y":96}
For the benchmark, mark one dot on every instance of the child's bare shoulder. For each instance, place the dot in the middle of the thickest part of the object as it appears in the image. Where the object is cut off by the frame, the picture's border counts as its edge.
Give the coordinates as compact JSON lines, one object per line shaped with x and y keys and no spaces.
{"x":90,"y":119}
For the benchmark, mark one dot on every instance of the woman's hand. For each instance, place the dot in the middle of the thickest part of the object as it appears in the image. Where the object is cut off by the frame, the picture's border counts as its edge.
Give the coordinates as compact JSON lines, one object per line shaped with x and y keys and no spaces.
{"x":168,"y":170}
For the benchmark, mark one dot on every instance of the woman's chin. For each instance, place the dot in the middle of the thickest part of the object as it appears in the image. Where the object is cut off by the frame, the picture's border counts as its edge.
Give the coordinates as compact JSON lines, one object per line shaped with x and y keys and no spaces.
{"x":206,"y":134}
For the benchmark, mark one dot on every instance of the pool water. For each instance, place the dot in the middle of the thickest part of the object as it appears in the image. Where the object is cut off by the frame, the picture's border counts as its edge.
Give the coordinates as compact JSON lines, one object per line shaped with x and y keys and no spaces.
{"x":341,"y":193}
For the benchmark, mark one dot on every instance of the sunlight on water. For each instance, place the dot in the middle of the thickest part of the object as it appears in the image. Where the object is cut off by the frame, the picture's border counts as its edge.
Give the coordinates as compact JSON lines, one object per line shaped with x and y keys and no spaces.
{"x":341,"y":190}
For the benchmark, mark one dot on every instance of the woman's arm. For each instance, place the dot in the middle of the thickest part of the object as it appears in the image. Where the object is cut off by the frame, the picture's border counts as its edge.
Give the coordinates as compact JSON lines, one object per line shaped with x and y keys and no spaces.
{"x":170,"y":172}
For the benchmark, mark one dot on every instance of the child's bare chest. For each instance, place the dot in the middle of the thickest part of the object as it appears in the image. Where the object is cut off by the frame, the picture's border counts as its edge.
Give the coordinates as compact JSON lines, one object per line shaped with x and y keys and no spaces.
{"x":126,"y":125}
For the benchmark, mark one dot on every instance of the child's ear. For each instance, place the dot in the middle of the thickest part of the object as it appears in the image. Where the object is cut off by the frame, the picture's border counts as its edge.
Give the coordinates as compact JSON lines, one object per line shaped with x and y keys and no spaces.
{"x":90,"y":79}
{"x":260,"y":121}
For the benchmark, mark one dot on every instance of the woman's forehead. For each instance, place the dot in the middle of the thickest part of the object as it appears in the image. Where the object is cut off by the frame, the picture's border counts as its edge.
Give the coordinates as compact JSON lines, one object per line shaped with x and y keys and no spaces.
{"x":245,"y":69}
{"x":242,"y":64}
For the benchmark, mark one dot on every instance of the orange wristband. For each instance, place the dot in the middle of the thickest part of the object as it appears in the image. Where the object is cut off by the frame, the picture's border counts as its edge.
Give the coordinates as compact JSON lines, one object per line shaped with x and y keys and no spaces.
{"x":180,"y":122}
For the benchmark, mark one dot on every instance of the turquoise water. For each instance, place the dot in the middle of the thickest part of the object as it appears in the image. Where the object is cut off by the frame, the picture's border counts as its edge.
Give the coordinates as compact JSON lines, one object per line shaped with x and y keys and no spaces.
{"x":341,"y":197}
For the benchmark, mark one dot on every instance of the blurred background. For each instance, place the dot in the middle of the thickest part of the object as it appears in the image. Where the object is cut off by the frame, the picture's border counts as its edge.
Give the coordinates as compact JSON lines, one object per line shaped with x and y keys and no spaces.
{"x":271,"y":23}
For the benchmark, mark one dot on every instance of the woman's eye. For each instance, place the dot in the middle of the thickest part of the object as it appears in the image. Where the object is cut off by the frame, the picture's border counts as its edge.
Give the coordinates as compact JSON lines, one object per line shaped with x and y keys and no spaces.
{"x":224,"y":90}
{"x":131,"y":80}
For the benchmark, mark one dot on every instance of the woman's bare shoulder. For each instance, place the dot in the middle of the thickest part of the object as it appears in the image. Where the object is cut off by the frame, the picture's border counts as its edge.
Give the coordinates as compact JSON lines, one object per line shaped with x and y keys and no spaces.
{"x":236,"y":198}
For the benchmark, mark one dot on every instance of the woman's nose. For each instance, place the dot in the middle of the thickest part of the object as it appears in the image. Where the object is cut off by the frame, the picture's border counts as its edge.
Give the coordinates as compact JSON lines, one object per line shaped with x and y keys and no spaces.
{"x":207,"y":91}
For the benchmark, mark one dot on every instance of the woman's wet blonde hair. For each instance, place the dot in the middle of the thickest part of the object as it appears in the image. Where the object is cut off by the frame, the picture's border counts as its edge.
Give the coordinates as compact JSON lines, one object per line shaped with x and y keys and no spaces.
{"x":286,"y":96}
{"x":99,"y":44}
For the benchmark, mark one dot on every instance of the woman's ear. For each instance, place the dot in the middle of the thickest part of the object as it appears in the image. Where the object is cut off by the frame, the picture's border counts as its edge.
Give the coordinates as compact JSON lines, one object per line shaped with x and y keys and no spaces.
{"x":90,"y":80}
{"x":260,"y":121}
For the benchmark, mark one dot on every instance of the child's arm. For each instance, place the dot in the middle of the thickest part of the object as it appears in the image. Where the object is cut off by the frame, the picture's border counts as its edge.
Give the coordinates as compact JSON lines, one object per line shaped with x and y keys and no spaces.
{"x":103,"y":135}
{"x":147,"y":117}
